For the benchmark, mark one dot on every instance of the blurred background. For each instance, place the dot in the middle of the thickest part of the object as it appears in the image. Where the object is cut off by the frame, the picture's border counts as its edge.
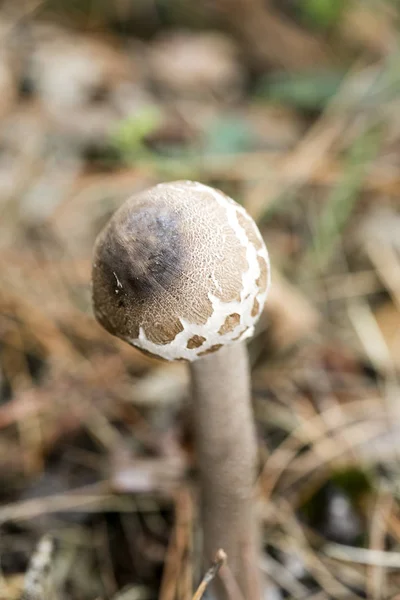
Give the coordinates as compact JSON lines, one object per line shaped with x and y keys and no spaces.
{"x":292,"y":107}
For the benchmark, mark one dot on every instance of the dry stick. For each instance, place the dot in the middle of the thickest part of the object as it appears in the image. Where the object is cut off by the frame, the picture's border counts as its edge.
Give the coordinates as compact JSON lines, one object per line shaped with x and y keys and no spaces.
{"x":185,"y":582}
{"x":104,"y":554}
{"x":376,"y":573}
{"x":92,"y":497}
{"x":176,"y":548}
{"x":394,"y":525}
{"x":37,"y":578}
{"x":219,"y":561}
{"x":362,"y":556}
{"x":350,"y":573}
{"x":283,"y":577}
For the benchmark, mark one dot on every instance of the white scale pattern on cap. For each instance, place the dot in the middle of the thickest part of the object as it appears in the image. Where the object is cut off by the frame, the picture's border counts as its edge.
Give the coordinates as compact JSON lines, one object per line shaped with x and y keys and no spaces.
{"x":177,"y":348}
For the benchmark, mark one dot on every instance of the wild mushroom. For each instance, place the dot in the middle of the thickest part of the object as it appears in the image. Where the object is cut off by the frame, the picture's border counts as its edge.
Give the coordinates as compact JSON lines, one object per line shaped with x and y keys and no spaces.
{"x":181,"y":271}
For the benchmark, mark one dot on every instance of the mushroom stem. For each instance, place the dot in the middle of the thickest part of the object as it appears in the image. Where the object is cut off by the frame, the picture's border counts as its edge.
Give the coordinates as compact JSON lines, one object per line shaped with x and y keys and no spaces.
{"x":226,"y":453}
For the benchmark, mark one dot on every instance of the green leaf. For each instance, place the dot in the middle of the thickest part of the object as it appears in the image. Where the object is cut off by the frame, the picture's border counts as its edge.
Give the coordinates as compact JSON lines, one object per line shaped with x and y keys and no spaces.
{"x":307,"y":91}
{"x":228,"y":135}
{"x":322,"y":13}
{"x":130,"y":133}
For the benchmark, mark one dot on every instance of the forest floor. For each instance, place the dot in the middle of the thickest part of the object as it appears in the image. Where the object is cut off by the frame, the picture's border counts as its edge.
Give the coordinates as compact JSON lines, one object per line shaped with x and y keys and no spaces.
{"x":293,"y":109}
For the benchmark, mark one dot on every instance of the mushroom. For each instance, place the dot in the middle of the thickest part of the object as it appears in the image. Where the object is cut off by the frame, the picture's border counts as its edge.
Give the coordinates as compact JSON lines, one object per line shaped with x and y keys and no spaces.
{"x":181,"y":272}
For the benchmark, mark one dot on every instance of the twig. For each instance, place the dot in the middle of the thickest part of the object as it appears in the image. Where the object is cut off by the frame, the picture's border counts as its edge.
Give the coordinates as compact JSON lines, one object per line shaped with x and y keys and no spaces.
{"x":38,"y":574}
{"x":177,"y":546}
{"x":219,"y":561}
{"x":376,"y":576}
{"x":363,"y":556}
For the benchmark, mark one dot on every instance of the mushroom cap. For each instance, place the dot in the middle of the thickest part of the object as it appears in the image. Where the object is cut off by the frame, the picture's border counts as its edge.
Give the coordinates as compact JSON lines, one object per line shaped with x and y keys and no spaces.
{"x":180,"y":270}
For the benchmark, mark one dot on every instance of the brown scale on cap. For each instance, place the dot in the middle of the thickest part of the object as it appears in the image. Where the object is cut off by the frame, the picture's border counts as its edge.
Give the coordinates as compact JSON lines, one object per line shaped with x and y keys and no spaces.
{"x":195,"y":342}
{"x":256,"y":308}
{"x":262,"y":281}
{"x":230,"y":323}
{"x":210,"y":350}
